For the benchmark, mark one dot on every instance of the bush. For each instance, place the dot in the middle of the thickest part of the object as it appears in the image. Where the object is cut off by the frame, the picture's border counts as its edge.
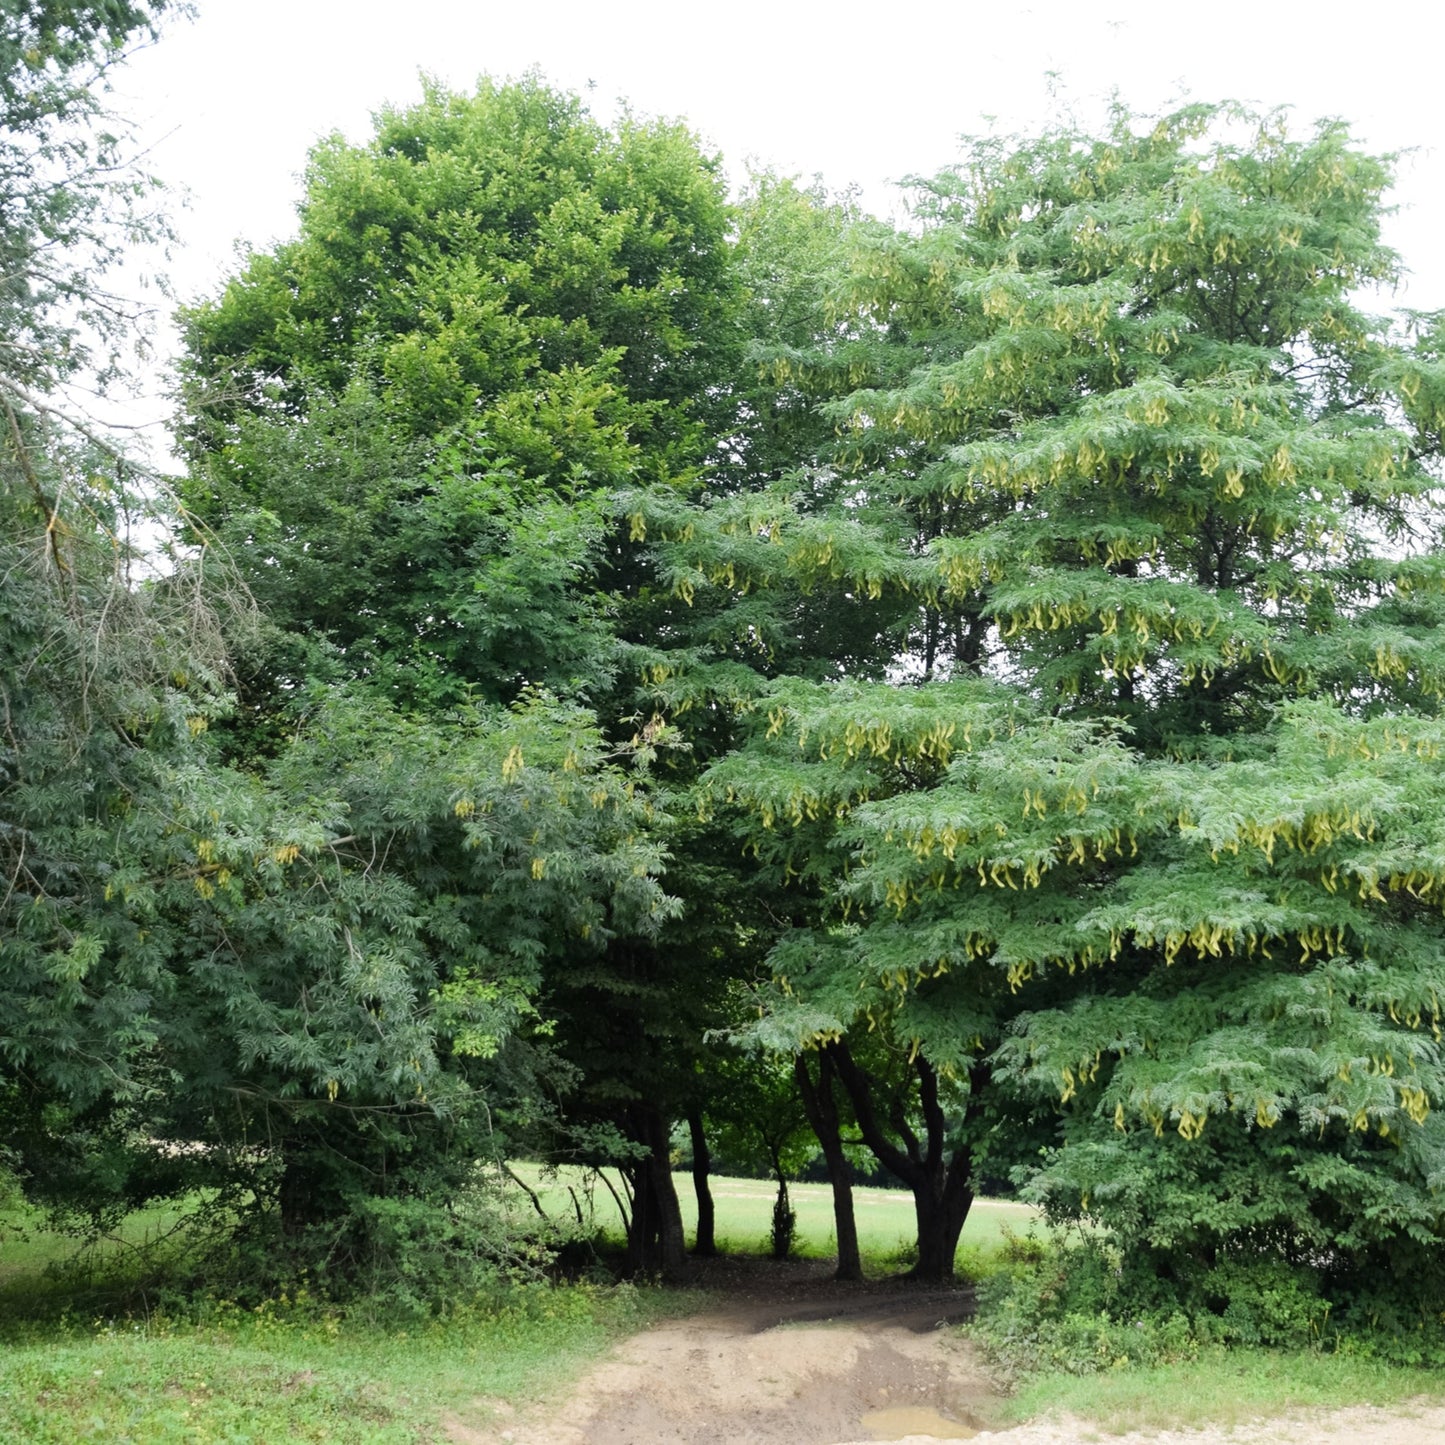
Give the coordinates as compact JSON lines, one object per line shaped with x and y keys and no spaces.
{"x":785,"y":1225}
{"x":1079,"y":1304}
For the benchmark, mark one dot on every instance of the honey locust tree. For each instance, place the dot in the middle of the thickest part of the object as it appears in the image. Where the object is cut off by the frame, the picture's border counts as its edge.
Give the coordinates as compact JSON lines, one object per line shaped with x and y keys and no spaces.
{"x":1146,"y":864}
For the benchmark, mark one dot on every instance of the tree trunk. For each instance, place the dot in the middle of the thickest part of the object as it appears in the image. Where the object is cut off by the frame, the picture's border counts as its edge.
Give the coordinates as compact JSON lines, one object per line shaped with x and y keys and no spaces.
{"x":295,"y":1195}
{"x":307,"y":1194}
{"x":941,"y":1208}
{"x":671,"y":1241}
{"x":821,"y":1107}
{"x":642,"y":1224}
{"x":655,"y":1243}
{"x":942,"y":1187}
{"x":705,"y":1244}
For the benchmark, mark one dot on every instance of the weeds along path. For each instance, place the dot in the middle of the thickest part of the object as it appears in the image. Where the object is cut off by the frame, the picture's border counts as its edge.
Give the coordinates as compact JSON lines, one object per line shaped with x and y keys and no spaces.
{"x":782,"y":1355}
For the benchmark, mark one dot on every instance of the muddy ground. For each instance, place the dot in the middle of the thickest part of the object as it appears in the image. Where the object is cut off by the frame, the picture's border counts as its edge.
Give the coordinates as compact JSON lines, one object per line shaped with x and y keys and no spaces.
{"x":789,"y":1357}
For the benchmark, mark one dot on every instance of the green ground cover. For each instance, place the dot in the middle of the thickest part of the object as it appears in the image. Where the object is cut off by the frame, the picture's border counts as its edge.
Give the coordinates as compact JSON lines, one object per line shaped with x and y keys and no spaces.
{"x":1218,"y":1387}
{"x":27,"y":1246}
{"x":744,"y":1214}
{"x":296,"y":1370}
{"x":216,"y":1373}
{"x":209,"y":1371}
{"x":292,"y":1372}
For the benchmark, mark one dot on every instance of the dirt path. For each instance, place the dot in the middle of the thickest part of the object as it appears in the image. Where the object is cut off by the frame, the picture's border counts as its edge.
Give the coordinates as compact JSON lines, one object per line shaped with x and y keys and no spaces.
{"x":794,"y":1359}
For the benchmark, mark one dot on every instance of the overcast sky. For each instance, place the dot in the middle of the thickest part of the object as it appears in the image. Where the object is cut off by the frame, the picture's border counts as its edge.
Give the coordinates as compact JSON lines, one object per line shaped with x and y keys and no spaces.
{"x":230,"y":101}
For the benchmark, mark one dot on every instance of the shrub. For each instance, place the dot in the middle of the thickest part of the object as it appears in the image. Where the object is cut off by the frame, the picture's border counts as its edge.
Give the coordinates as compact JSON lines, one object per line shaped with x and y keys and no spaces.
{"x":1080,"y":1304}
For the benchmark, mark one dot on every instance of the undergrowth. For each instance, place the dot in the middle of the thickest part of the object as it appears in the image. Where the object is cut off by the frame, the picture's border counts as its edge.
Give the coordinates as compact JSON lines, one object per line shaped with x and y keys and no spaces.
{"x":1075,"y":1304}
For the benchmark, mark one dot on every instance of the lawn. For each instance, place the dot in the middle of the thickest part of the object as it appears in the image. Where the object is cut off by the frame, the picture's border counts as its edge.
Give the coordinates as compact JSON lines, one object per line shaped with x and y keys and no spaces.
{"x":210,"y":1372}
{"x":1221,"y":1388}
{"x":744,"y":1211}
{"x":290,"y":1373}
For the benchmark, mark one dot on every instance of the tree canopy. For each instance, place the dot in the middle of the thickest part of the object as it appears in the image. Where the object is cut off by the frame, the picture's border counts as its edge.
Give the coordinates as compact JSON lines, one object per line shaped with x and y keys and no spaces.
{"x":1123,"y":843}
{"x":990,"y":668}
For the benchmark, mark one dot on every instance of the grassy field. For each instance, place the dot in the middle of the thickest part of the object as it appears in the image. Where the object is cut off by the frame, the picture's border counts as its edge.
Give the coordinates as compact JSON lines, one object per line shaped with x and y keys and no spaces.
{"x":1222,"y":1388}
{"x":211,"y":1372}
{"x":27,"y":1247}
{"x":290,"y":1373}
{"x":744,"y":1209}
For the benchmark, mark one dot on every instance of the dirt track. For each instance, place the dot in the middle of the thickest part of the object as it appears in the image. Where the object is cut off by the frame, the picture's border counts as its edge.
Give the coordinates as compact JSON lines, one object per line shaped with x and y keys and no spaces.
{"x":793,"y":1359}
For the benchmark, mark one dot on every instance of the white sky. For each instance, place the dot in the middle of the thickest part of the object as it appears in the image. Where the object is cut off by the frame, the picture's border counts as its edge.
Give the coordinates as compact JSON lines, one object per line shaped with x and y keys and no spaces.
{"x":231,"y":101}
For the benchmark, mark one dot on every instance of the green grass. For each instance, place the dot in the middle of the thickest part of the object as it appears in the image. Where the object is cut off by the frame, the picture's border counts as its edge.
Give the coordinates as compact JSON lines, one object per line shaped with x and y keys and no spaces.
{"x":291,"y":1370}
{"x":293,"y":1373}
{"x":1219,"y":1387}
{"x":744,"y":1210}
{"x":27,"y":1245}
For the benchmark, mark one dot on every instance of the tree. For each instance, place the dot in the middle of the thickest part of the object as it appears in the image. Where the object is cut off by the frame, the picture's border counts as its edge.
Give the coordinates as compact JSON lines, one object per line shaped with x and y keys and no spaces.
{"x":369,"y":1003}
{"x":921,"y":1111}
{"x":412,"y":425}
{"x":500,"y":254}
{"x":527,"y":302}
{"x":324,"y":969}
{"x":102,"y":681}
{"x":820,"y":1104}
{"x":71,"y":199}
{"x":430,"y":571}
{"x":1155,"y":882}
{"x":307,"y":937}
{"x":91,"y":715}
{"x":761,"y":1127}
{"x":707,"y":646}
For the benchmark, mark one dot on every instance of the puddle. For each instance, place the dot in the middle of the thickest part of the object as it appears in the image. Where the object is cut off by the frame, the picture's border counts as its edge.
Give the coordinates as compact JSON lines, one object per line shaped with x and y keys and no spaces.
{"x":905,"y":1420}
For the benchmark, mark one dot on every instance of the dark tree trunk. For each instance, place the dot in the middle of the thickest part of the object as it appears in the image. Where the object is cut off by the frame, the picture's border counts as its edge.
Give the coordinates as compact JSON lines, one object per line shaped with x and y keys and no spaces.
{"x":941,"y":1211}
{"x":821,"y":1107}
{"x":307,"y":1194}
{"x":655,"y":1243}
{"x":671,"y":1241}
{"x":972,"y":633}
{"x":942,"y":1187}
{"x":930,"y":643}
{"x":1127,"y":567}
{"x":642,"y":1223}
{"x":295,"y":1196}
{"x":706,"y":1241}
